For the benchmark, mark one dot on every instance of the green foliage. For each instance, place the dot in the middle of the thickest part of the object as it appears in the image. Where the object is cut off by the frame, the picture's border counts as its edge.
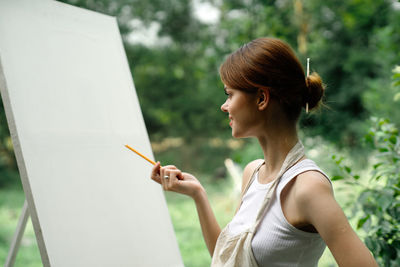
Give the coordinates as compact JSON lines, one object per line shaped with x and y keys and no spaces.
{"x":378,"y":204}
{"x":8,"y":164}
{"x":396,"y":82}
{"x":352,"y":44}
{"x":382,"y":92}
{"x":194,"y":156}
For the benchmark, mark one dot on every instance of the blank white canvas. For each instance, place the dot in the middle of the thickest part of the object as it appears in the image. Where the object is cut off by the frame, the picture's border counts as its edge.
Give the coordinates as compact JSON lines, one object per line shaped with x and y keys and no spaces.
{"x":71,"y":106}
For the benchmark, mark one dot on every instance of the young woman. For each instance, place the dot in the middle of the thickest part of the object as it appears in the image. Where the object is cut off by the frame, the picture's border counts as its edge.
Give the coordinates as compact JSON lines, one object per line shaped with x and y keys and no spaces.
{"x":288,"y":213}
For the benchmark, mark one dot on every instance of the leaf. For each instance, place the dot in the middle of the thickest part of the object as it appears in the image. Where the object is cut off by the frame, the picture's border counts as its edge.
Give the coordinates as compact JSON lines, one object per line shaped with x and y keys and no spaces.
{"x":384,"y":202}
{"x":392,"y":253}
{"x":361,"y":221}
{"x":393,"y":139}
{"x":396,"y":97}
{"x":382,"y":122}
{"x":338,"y":161}
{"x":347,"y":169}
{"x":369,"y":138}
{"x":337,"y":177}
{"x":386,"y":198}
{"x":367,"y":225}
{"x":364,"y":196}
{"x":371,"y":244}
{"x":386,"y":227}
{"x":377,"y":165}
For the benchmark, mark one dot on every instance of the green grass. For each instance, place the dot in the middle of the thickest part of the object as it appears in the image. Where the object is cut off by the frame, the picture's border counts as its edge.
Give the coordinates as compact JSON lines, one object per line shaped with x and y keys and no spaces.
{"x":186,"y":224}
{"x":11,"y":202}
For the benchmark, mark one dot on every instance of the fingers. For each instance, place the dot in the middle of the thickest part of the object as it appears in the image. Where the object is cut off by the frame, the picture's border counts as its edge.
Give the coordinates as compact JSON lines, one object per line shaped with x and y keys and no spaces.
{"x":162,"y":179}
{"x":155,"y":173}
{"x":172,"y":173}
{"x":173,"y":178}
{"x":159,"y":173}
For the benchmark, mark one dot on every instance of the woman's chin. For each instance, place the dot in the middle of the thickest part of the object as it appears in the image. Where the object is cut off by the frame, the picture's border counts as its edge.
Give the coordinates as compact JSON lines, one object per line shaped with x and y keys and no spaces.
{"x":236,"y":134}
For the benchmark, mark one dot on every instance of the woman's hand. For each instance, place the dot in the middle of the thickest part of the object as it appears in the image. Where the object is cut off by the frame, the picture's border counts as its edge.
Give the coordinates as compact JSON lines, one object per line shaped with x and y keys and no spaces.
{"x":178,"y":181}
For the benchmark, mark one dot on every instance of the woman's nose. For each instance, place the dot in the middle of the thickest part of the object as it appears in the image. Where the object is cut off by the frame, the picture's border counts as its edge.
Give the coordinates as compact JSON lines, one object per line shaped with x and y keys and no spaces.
{"x":224,"y":107}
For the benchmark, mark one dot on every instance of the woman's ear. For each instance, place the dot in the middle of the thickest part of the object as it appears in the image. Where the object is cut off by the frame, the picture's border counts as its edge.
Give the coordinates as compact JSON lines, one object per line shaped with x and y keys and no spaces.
{"x":262,"y":98}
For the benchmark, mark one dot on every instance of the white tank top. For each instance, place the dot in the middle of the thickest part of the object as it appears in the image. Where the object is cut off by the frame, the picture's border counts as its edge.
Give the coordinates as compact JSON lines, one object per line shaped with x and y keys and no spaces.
{"x":277,"y":242}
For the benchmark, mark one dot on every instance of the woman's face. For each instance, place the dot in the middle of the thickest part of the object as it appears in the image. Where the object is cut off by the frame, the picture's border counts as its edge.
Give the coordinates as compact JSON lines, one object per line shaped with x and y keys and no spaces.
{"x":242,"y":110}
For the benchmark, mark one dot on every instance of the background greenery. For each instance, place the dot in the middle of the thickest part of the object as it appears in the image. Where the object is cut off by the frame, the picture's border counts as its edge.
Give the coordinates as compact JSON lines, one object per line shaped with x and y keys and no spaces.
{"x":353,"y":44}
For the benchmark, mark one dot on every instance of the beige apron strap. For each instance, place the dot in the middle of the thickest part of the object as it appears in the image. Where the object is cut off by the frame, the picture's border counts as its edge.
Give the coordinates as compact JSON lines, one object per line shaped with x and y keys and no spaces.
{"x":246,"y":188}
{"x":294,"y":155}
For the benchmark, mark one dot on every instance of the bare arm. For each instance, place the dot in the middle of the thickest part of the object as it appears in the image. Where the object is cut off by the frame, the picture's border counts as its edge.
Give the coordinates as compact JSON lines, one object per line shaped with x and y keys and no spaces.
{"x":187,"y":184}
{"x":209,"y":225}
{"x":317,"y":204}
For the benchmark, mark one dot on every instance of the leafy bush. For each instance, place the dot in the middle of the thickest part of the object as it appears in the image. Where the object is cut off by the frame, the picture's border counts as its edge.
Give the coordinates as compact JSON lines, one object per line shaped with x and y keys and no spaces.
{"x":396,"y":82}
{"x":377,"y":207}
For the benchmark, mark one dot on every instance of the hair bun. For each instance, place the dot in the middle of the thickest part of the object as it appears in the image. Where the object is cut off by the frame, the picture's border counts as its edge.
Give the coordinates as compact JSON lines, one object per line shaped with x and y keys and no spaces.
{"x":315,"y":90}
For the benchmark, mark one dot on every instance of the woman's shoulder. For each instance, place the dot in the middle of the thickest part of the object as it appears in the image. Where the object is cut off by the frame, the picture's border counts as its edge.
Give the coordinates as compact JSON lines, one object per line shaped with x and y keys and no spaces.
{"x":310,"y":183}
{"x":307,"y":172}
{"x":251,"y":167}
{"x":249,"y":170}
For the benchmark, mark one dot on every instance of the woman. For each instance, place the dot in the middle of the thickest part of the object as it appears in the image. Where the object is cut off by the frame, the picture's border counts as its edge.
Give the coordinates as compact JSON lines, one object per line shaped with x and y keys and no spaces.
{"x":288,"y":213}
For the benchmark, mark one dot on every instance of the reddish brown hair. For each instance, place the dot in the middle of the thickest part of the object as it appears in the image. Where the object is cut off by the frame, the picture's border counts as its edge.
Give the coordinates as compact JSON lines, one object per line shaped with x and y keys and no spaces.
{"x":271,"y":63}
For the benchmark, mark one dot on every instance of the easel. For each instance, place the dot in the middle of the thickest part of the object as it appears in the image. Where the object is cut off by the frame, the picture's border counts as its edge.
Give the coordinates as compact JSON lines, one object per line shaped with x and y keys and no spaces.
{"x":19,"y":232}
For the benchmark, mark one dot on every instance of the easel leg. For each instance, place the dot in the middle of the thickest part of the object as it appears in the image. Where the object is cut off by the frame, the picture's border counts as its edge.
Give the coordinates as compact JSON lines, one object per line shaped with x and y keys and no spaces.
{"x":17,"y":236}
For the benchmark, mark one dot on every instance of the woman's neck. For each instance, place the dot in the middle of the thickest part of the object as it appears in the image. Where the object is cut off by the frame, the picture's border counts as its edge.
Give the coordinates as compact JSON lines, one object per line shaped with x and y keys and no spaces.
{"x":276,"y":145}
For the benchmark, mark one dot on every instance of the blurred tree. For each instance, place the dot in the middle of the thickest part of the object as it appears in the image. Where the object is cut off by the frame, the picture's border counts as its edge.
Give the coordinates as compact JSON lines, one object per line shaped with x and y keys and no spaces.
{"x":352,"y":44}
{"x":346,"y":44}
{"x":8,"y":164}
